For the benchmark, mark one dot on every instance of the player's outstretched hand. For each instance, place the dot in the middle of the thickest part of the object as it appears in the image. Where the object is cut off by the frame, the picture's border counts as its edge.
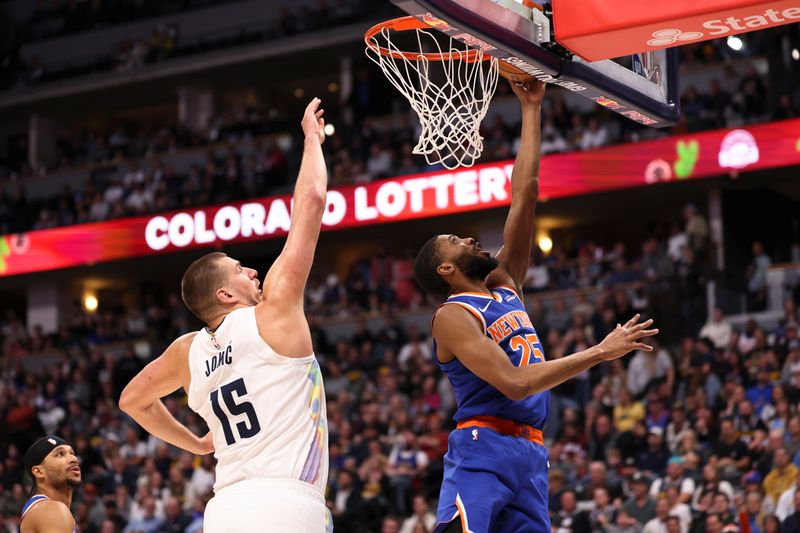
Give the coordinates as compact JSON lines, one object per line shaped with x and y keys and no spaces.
{"x":626,"y":338}
{"x":313,"y":123}
{"x":529,"y":92}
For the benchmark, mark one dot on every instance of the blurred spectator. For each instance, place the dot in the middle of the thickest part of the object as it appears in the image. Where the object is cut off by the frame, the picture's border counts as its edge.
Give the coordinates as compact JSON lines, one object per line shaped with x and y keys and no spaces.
{"x":757,"y":278}
{"x":640,"y":506}
{"x":421,"y":517}
{"x":718,"y":329}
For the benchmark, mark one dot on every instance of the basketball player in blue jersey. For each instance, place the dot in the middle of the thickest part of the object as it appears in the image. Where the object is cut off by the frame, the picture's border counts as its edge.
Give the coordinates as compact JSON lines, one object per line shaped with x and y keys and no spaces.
{"x":52,"y":464}
{"x":495,"y":477}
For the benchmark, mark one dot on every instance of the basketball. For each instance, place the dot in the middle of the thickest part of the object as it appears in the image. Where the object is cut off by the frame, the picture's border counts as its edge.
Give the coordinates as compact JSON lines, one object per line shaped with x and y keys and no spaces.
{"x":512,"y":73}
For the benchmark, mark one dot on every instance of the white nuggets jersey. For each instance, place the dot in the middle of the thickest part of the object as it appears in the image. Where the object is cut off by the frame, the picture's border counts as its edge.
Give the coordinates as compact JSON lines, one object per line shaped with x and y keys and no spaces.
{"x":266,"y":412}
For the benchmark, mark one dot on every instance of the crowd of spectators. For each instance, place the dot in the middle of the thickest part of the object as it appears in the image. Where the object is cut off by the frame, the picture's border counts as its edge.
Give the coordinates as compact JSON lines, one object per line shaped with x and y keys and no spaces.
{"x":57,"y":18}
{"x":706,"y":428}
{"x":164,"y":41}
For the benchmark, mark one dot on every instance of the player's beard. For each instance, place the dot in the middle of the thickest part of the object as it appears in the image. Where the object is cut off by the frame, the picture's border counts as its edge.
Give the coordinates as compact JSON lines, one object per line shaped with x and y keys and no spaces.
{"x":476,"y":266}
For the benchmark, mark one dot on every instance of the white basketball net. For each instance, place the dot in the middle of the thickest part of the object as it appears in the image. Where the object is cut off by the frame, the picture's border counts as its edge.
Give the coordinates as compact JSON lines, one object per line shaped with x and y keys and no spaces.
{"x":450,"y":111}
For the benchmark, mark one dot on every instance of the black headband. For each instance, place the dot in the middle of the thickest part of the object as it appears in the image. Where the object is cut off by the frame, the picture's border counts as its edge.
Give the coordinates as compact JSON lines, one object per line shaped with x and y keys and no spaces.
{"x":41,"y":449}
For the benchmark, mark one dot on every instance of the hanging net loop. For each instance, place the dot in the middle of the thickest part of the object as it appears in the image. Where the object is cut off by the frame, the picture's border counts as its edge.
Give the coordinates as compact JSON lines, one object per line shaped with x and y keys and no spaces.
{"x":448,"y":84}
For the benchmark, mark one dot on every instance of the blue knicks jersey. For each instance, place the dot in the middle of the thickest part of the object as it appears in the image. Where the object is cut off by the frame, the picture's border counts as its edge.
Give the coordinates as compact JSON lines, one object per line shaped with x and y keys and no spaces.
{"x":505,"y":321}
{"x":33,"y":500}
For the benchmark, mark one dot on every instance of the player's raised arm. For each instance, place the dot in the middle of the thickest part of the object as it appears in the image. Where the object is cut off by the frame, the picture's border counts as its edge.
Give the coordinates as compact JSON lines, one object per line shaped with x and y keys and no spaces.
{"x":141,"y":398}
{"x":514,"y":257}
{"x":458,"y":333}
{"x":286,"y":280}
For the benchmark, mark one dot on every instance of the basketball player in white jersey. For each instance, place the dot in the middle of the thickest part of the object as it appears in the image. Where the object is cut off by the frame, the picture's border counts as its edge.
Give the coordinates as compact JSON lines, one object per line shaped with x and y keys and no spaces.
{"x":252,"y":375}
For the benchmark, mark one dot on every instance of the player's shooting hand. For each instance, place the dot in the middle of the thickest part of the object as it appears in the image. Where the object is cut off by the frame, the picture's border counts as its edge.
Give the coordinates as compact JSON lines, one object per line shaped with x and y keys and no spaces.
{"x":313,"y":123}
{"x":626,"y":338}
{"x":529,"y":92}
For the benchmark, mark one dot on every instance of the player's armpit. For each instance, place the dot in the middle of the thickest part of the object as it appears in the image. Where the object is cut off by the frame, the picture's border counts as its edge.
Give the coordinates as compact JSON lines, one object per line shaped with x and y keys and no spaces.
{"x":160,"y":377}
{"x":458,"y":332}
{"x":48,"y":517}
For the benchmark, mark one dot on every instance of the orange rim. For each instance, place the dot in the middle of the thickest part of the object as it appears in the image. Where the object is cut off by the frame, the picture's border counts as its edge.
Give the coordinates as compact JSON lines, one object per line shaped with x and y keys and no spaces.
{"x":411,"y":23}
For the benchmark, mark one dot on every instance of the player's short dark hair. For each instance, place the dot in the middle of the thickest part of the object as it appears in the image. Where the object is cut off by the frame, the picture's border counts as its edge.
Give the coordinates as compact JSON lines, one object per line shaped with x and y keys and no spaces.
{"x":200,"y":282}
{"x":425,"y":264}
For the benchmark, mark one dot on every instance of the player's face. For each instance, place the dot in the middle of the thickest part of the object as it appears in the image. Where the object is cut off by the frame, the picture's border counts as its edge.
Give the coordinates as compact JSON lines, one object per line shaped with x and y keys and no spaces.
{"x":243,"y":282}
{"x":61,"y":467}
{"x":467,"y":256}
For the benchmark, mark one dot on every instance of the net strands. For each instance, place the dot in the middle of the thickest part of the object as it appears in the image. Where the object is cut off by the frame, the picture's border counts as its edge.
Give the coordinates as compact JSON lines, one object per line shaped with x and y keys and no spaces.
{"x":450,"y":111}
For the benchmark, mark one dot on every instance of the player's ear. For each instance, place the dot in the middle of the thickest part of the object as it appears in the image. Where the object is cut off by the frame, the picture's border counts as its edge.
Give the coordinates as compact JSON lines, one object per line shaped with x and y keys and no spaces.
{"x":224,"y":296}
{"x":445,"y":269}
{"x":38,"y":473}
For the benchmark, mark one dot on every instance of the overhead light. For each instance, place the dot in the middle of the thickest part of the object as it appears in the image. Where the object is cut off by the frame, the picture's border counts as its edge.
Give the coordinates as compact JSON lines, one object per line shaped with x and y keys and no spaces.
{"x":298,"y":93}
{"x":333,"y":87}
{"x":735,"y":43}
{"x":545,"y":244}
{"x":329,"y":129}
{"x":796,"y":54}
{"x":90,"y":303}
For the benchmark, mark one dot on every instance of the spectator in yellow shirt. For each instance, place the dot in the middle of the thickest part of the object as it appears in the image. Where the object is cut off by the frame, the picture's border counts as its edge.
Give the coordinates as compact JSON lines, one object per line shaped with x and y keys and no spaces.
{"x":627,"y":412}
{"x":782,"y":476}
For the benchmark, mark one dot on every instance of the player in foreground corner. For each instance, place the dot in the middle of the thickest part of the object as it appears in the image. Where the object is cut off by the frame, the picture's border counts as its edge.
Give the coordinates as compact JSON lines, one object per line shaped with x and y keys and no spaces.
{"x":495,"y":469}
{"x":52,"y":464}
{"x":252,"y":375}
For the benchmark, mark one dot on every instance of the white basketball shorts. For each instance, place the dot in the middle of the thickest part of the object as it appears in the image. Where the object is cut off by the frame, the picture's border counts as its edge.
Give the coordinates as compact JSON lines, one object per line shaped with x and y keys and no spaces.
{"x":268,"y":506}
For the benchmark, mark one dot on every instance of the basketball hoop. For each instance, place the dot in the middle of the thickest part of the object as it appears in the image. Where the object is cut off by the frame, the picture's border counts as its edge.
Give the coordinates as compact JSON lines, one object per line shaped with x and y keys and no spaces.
{"x":449,"y":90}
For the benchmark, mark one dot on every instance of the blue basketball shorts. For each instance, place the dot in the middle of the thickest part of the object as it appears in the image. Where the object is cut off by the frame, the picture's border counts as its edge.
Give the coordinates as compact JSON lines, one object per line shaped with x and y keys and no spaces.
{"x":493,"y":483}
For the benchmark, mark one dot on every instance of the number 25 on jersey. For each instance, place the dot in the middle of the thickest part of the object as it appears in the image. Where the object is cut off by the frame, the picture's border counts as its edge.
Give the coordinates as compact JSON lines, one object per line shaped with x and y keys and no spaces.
{"x":529,"y":345}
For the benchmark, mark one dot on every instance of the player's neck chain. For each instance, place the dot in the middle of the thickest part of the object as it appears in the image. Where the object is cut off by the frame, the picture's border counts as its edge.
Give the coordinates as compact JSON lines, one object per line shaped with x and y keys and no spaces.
{"x":212,"y":334}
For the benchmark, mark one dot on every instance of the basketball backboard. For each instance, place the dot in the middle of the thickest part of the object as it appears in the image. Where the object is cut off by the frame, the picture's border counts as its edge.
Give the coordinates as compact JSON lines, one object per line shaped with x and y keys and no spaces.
{"x":643,"y":88}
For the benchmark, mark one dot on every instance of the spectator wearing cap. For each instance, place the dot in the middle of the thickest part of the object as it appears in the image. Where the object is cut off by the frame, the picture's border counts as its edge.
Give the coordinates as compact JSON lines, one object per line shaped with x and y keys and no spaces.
{"x":782,"y":476}
{"x":675,"y":478}
{"x":752,"y":481}
{"x":640,"y":505}
{"x":654,"y":458}
{"x":718,"y":330}
{"x":785,"y":505}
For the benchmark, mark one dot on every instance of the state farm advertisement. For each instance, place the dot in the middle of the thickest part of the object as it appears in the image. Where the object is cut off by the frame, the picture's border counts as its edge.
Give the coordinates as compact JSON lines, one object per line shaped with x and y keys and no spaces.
{"x":595,"y":29}
{"x":426,"y":195}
